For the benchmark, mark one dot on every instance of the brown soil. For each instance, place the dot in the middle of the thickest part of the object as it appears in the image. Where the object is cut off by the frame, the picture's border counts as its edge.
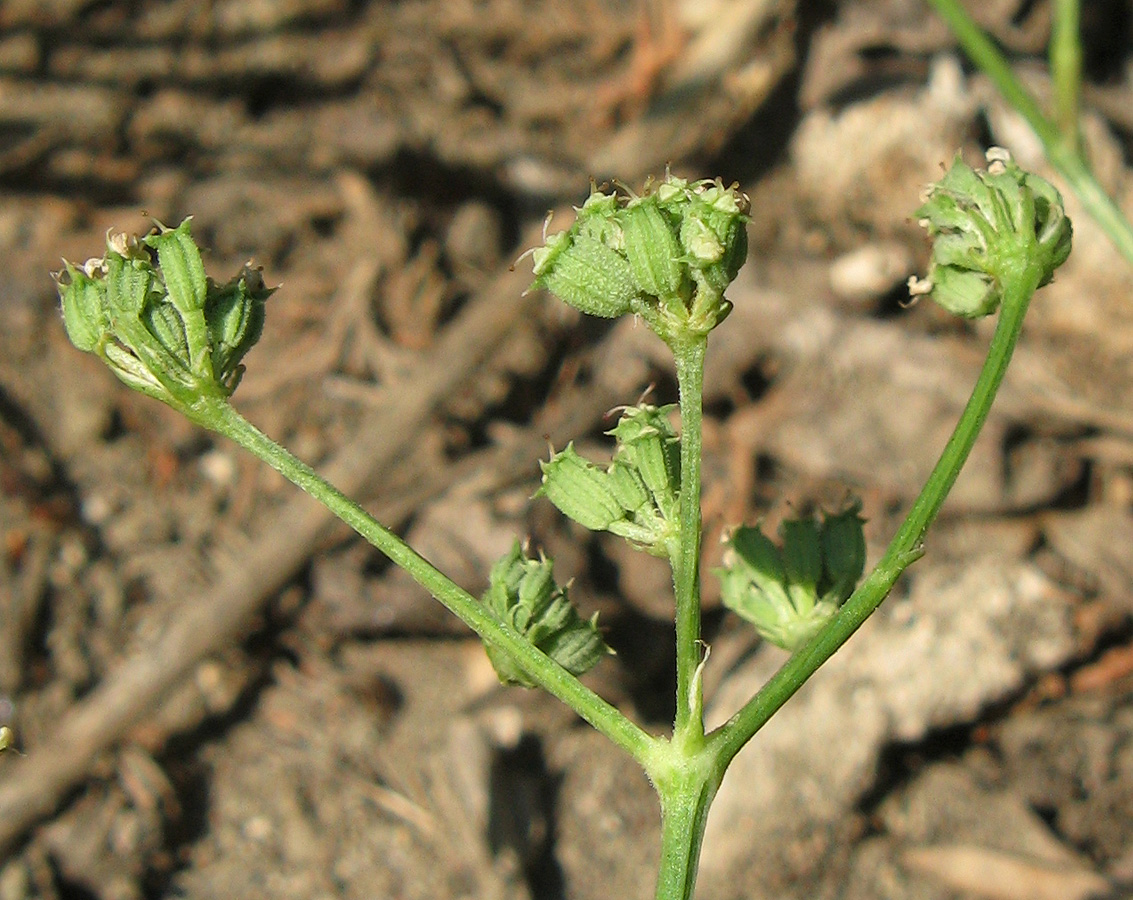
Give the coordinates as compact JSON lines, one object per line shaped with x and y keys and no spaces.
{"x":215,"y":693}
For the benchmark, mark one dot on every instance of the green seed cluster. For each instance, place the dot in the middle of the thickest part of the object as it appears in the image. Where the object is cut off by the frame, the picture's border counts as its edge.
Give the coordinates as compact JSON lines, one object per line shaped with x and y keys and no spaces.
{"x":788,"y":594}
{"x":162,"y":326}
{"x":523,"y":594}
{"x":670,"y":252}
{"x":983,"y":225}
{"x":637,"y":495}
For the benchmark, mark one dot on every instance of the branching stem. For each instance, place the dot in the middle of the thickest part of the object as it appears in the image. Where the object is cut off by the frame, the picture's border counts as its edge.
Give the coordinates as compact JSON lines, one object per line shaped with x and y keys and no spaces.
{"x":223,"y":418}
{"x":906,"y":545}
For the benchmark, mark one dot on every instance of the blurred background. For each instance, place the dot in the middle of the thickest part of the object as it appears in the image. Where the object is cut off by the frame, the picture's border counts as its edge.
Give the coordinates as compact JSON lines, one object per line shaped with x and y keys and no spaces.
{"x":217,"y":694}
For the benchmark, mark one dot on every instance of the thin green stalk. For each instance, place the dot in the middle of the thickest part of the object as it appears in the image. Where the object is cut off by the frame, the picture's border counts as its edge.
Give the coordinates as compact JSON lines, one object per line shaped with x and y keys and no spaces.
{"x":905,"y":546}
{"x":685,"y":799}
{"x":1066,"y":159}
{"x":223,"y":418}
{"x":688,"y":727}
{"x":1066,"y":71}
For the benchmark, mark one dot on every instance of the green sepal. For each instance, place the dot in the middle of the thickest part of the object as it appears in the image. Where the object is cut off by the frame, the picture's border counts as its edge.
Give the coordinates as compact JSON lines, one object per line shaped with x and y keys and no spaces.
{"x":585,"y":273}
{"x":963,"y":292}
{"x":580,"y":490}
{"x":164,"y":322}
{"x":802,"y":561}
{"x":83,"y":297}
{"x":647,"y":441}
{"x":133,"y":372}
{"x":652,"y":249}
{"x":234,"y":314}
{"x":1052,"y":227}
{"x":128,"y":283}
{"x":523,"y":595}
{"x":759,"y":561}
{"x":843,"y":552}
{"x":182,"y":269}
{"x":186,"y":285}
{"x":628,"y":487}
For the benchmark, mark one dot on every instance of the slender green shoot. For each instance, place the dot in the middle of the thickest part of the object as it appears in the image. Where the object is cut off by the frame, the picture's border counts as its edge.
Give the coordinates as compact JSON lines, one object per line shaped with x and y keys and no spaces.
{"x":1065,"y":156}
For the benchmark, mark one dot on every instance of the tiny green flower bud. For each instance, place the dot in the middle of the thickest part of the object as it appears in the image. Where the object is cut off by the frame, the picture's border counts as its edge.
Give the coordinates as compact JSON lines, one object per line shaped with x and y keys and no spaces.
{"x":7,"y":737}
{"x":652,"y":249}
{"x":700,"y":241}
{"x":985,"y":226}
{"x":714,"y":233}
{"x":598,"y":219}
{"x":580,"y":490}
{"x":522,"y":593}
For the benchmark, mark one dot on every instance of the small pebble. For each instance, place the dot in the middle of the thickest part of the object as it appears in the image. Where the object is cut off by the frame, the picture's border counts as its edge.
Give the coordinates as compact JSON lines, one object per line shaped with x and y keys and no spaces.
{"x":870,"y":271}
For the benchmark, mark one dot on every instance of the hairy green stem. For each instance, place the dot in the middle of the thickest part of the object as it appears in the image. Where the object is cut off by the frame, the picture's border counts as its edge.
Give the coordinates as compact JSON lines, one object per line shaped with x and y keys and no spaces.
{"x":1065,"y":158}
{"x":688,"y":727}
{"x":906,"y":544}
{"x":686,"y":793}
{"x":219,"y":416}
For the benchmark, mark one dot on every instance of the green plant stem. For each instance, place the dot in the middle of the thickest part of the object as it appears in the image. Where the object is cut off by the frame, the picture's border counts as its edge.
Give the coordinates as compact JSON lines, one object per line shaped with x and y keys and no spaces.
{"x":1066,"y":159}
{"x":686,"y":793}
{"x":1066,"y":70}
{"x":906,"y":545}
{"x":219,"y":416}
{"x":688,"y":727}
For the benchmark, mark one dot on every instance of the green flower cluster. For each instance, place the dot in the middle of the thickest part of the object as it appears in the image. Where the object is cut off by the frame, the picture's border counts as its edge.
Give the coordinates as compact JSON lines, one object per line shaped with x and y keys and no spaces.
{"x":523,"y":594}
{"x":667,"y":254}
{"x":984,"y":225}
{"x":637,"y":495}
{"x":788,"y":594}
{"x":162,"y":326}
